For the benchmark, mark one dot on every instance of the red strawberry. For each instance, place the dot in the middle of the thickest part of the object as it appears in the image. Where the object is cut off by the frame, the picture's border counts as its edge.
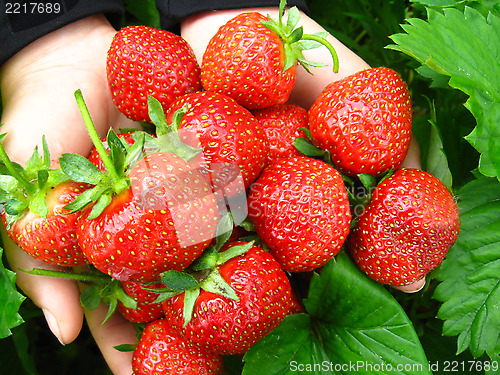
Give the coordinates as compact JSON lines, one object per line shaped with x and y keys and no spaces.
{"x":231,"y":139}
{"x":145,"y":214}
{"x":145,"y":61}
{"x":32,"y":201}
{"x":282,"y":124}
{"x":163,"y":221}
{"x":231,"y":326}
{"x":52,"y":238}
{"x":147,"y":310}
{"x":407,"y":228}
{"x":300,"y":209}
{"x":97,"y":160}
{"x":364,"y":121}
{"x":162,"y":351}
{"x":252,"y":58}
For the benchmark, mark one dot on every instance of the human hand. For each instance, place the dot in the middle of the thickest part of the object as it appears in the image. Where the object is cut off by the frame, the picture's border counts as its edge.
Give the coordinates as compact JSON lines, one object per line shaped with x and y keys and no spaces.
{"x":307,"y":86}
{"x":38,"y":86}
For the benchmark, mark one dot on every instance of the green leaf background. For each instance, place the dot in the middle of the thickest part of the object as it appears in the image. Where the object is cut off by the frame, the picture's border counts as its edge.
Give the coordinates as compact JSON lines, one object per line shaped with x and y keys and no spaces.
{"x":448,"y":53}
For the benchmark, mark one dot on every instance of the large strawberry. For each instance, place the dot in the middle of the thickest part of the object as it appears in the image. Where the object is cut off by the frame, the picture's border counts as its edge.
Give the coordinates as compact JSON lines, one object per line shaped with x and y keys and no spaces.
{"x":33,"y":200}
{"x":252,"y":58}
{"x":146,"y":61}
{"x":145,"y":214}
{"x":299,"y":207}
{"x":232,"y":141}
{"x":257,"y":299}
{"x":364,"y":121}
{"x":407,"y":228}
{"x":162,"y":351}
{"x":282,"y":124}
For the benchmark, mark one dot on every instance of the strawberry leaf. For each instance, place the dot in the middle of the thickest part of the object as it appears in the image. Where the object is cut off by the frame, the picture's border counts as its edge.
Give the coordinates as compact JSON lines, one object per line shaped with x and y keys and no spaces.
{"x":350,"y":320}
{"x":10,"y":300}
{"x":470,"y":287}
{"x":80,"y":169}
{"x":462,"y":45}
{"x":176,"y":280}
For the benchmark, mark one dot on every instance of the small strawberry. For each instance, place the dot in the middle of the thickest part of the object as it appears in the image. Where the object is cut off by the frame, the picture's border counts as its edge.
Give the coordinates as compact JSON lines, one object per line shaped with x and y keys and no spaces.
{"x":162,"y":351}
{"x":146,"y":309}
{"x":145,"y":214}
{"x":33,"y":200}
{"x":232,"y":141}
{"x":144,"y":61}
{"x":282,"y":124}
{"x":252,"y":58}
{"x":406,"y":229}
{"x":300,"y":209}
{"x":364,"y":121}
{"x":257,"y":298}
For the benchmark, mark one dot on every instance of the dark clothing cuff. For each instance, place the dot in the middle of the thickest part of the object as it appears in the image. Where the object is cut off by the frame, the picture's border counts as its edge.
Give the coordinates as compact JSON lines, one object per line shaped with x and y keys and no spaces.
{"x":23,"y":22}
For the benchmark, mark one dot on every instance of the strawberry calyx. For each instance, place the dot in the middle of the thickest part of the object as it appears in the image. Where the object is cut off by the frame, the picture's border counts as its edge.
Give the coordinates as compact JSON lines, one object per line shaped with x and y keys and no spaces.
{"x":109,"y":182}
{"x":203,"y":274}
{"x":295,"y":41}
{"x":167,"y":137}
{"x":25,"y":188}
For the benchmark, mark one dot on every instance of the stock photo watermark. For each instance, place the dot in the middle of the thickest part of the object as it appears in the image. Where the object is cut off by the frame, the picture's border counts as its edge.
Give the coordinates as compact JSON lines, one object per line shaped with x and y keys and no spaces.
{"x":354,"y":367}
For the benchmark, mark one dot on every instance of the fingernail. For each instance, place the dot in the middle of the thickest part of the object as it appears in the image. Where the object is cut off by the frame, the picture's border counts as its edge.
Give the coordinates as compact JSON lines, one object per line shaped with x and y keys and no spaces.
{"x":53,"y":325}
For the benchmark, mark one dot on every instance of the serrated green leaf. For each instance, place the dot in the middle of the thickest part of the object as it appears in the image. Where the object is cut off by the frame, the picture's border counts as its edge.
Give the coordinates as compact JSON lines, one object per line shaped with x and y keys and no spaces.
{"x":102,"y":202}
{"x":117,"y":151}
{"x":307,"y":148}
{"x":43,"y":177}
{"x":80,"y":169}
{"x":90,"y":298}
{"x":470,"y":282}
{"x":10,"y":300}
{"x":156,"y":113}
{"x":176,"y":280}
{"x":215,"y":283}
{"x":9,"y":183}
{"x":287,"y":349}
{"x":33,"y":165}
{"x":464,"y":46}
{"x":293,"y":18}
{"x":352,"y":320}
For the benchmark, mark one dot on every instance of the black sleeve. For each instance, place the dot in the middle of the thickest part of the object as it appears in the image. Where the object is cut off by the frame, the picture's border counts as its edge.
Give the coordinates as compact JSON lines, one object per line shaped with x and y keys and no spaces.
{"x":172,"y":12}
{"x":22,"y":23}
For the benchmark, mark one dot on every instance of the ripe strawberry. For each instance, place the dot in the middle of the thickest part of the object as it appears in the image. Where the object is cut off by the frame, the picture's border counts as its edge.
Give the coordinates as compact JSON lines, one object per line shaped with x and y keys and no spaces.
{"x":162,"y":351}
{"x":364,"y":121}
{"x":232,"y":325}
{"x":96,"y":159}
{"x":145,"y":61}
{"x":300,"y":209}
{"x":282,"y":124}
{"x":163,"y":221}
{"x":33,"y":199}
{"x":146,"y":309}
{"x":252,"y":58}
{"x":407,"y":228}
{"x":52,"y":238}
{"x":232,"y":141}
{"x":145,"y":214}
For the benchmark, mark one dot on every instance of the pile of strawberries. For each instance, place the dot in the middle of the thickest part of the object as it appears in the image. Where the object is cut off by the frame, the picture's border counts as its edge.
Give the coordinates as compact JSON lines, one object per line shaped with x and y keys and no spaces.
{"x":197,"y":226}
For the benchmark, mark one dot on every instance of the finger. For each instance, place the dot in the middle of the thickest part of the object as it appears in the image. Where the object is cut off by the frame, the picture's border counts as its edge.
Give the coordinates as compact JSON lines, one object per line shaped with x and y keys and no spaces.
{"x":58,"y":298}
{"x":412,"y":159}
{"x":115,"y":331}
